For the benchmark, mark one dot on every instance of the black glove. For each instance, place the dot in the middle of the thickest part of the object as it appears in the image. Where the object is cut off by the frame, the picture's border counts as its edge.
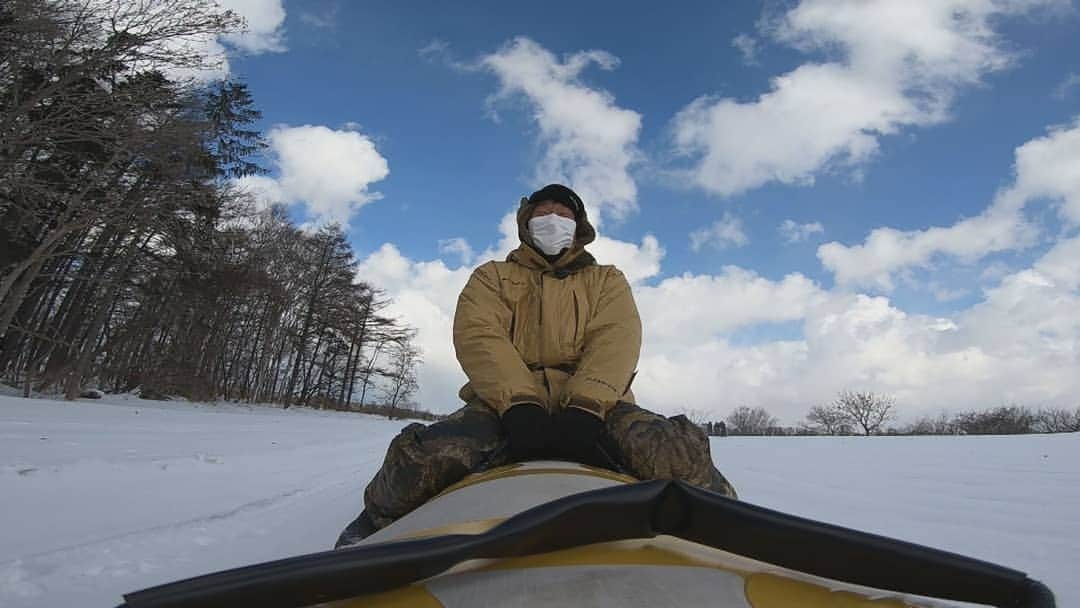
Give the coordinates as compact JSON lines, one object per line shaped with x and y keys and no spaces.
{"x":576,"y":434}
{"x":528,"y":428}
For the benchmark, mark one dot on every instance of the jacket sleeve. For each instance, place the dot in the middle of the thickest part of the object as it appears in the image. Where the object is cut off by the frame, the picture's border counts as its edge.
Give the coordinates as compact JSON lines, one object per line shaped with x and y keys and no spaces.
{"x":496,"y":371}
{"x":612,"y":347}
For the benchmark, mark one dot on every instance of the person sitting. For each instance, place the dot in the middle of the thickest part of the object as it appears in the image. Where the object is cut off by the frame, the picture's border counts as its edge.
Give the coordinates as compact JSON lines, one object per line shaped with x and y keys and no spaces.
{"x":549,"y":341}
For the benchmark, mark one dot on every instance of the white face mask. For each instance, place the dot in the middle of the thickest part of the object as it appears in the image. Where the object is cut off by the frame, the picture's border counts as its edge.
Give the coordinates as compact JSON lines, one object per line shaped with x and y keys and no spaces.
{"x":552,"y":233}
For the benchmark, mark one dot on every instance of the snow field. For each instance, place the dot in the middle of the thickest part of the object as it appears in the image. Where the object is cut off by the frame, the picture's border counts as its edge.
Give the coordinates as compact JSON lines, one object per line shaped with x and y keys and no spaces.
{"x":1011,"y":500}
{"x":103,"y":498}
{"x":100,"y":498}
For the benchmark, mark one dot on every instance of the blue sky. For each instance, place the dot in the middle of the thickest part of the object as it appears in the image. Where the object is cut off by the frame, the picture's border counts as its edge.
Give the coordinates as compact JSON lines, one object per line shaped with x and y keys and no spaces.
{"x":923,"y":156}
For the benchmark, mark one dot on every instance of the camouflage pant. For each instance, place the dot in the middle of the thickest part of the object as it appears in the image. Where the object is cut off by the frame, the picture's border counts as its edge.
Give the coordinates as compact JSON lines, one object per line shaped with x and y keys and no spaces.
{"x":424,"y":460}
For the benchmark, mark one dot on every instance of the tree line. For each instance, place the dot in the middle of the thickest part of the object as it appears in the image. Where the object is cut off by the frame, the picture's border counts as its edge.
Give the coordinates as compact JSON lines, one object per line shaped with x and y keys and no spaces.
{"x":128,"y":258}
{"x":1000,"y":420}
{"x":866,"y":413}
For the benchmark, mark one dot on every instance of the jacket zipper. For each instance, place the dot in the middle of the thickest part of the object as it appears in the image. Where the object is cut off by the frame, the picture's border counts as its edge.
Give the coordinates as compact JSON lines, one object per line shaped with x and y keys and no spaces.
{"x":540,"y":340}
{"x":541,"y":303}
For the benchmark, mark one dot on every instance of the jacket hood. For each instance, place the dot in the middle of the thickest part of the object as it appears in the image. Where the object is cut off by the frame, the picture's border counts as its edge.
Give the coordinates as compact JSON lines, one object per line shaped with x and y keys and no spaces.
{"x":527,"y":254}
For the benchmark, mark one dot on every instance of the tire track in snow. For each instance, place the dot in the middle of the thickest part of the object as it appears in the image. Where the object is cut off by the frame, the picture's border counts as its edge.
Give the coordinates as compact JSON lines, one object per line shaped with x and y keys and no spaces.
{"x":245,"y":508}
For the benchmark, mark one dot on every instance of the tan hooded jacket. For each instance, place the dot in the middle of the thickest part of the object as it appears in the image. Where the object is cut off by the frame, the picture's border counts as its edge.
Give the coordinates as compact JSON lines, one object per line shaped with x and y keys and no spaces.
{"x":559,"y":334}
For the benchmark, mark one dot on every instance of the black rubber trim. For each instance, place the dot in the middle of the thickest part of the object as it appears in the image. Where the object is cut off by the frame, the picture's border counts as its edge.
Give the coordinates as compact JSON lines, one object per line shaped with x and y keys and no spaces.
{"x":641,"y":510}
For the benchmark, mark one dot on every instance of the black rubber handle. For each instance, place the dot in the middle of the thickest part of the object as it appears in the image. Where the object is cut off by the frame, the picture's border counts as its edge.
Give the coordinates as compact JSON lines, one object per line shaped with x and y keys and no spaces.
{"x":641,"y":510}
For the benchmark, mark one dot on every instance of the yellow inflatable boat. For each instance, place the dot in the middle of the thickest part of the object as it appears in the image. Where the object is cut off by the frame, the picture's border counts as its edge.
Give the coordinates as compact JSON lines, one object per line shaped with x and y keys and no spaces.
{"x":551,"y":533}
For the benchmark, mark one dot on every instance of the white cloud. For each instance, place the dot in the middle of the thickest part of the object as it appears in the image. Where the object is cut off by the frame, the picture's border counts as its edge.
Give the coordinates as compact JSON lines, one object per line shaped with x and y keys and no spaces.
{"x":747,"y":46}
{"x":588,"y":142}
{"x":508,"y":239}
{"x":436,"y":49}
{"x":387,"y":269}
{"x":899,"y":64}
{"x":794,"y":232}
{"x":264,"y":190}
{"x":264,"y":21}
{"x":457,"y":247}
{"x":328,"y":171}
{"x":944,"y":293}
{"x":1034,"y":311}
{"x":846,"y":341}
{"x":637,"y":262}
{"x":1065,"y":88}
{"x":424,"y":297}
{"x":1020,"y":343}
{"x":725,"y":232}
{"x":263,"y":33}
{"x":1030,"y":326}
{"x":1047,"y":167}
{"x":995,"y":271}
{"x":324,"y":20}
{"x":886,"y":250}
{"x":692,"y":308}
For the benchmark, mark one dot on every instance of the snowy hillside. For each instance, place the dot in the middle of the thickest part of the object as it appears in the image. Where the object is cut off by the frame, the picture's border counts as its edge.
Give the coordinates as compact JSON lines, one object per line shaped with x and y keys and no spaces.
{"x":103,"y":498}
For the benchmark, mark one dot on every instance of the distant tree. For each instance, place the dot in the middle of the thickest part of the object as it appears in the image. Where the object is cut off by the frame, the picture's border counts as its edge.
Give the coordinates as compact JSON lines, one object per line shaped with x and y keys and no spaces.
{"x":401,"y":373}
{"x":941,"y":424}
{"x":1002,"y":420}
{"x":745,"y":420}
{"x":866,"y":410}
{"x":698,"y":416}
{"x":1059,"y":420}
{"x":828,"y":420}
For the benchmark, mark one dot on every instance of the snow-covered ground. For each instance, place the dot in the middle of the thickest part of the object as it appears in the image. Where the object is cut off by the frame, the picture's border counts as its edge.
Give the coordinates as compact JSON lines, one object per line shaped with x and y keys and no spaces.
{"x":99,"y":498}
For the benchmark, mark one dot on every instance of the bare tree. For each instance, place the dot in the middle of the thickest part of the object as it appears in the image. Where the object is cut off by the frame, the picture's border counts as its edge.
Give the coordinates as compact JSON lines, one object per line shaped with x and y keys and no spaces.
{"x":82,"y":105}
{"x":745,"y":420}
{"x":401,"y":376}
{"x":698,"y":416}
{"x":867,"y":410}
{"x":939,"y":424}
{"x":126,"y":257}
{"x":1002,"y":420}
{"x":1058,"y":420}
{"x":828,"y":420}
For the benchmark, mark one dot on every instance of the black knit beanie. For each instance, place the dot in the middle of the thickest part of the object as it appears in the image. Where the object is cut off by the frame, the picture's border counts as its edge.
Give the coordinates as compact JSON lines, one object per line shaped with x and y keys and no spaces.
{"x":560,"y":194}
